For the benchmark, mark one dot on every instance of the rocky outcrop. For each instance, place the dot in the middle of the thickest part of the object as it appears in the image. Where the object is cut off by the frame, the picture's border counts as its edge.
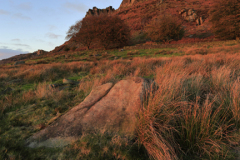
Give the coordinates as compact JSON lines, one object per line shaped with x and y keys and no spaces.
{"x":95,"y":11}
{"x":41,"y":52}
{"x":190,"y":15}
{"x":108,"y":107}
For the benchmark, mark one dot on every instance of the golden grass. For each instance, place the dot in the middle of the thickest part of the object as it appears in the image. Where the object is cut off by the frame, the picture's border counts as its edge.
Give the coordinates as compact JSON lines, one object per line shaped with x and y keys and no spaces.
{"x":195,"y":110}
{"x":43,"y":90}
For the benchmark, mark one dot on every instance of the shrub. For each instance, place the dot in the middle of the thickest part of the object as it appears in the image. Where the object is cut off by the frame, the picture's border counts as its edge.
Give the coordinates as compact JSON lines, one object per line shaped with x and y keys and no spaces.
{"x":225,"y":18}
{"x":165,"y":29}
{"x":139,"y":37}
{"x":107,"y":31}
{"x":83,"y":31}
{"x":66,"y":48}
{"x":112,"y":31}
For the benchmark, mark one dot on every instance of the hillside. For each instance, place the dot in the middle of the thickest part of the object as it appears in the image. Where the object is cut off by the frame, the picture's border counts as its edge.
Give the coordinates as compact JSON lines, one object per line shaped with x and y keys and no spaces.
{"x":145,"y":101}
{"x":137,"y":13}
{"x":192,"y":112}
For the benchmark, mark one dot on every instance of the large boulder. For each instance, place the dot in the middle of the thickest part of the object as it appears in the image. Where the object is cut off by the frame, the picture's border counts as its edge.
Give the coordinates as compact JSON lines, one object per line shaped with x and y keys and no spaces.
{"x":108,"y":107}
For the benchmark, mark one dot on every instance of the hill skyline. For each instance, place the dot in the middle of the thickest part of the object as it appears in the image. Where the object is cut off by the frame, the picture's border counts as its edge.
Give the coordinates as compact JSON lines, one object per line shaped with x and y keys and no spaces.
{"x":32,"y":25}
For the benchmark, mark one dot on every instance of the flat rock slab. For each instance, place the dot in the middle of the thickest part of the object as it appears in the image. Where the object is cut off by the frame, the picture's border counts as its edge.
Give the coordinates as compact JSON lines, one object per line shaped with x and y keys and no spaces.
{"x":108,"y":107}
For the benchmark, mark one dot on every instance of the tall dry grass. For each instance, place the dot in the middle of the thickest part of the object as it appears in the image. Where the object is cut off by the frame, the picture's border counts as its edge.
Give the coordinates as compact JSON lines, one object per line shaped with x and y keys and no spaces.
{"x":195,"y":111}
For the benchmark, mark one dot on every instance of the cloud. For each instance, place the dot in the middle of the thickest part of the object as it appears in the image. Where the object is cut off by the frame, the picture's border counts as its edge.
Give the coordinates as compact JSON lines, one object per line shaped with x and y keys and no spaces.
{"x":16,"y":40}
{"x":6,"y":53}
{"x":22,"y":45}
{"x":52,"y":27}
{"x":53,"y":36}
{"x":3,"y":12}
{"x":14,"y":44}
{"x":25,"y":6}
{"x":21,"y":16}
{"x":80,"y":7}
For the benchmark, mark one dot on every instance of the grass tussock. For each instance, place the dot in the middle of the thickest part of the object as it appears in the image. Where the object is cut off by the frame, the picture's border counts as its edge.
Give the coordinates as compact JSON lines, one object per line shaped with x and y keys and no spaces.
{"x":192,"y":114}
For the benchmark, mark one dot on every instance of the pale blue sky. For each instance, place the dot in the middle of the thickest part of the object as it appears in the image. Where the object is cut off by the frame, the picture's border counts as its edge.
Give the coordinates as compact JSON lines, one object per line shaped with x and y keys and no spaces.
{"x":29,"y":25}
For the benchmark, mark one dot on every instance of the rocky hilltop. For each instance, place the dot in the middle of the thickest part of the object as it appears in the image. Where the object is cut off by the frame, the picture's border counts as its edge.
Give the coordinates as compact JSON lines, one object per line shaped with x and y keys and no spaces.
{"x":138,"y":13}
{"x":96,"y":11}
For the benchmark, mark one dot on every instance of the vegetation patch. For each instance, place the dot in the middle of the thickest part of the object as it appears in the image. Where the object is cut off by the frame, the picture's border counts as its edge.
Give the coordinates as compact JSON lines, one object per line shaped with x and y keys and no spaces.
{"x":194,"y":113}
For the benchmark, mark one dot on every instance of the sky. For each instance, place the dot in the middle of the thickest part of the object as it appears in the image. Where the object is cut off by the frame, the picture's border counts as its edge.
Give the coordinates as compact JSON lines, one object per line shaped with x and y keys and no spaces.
{"x":29,"y":25}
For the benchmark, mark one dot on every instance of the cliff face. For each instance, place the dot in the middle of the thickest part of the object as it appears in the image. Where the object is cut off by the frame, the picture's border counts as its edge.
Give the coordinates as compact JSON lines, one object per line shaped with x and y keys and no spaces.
{"x":96,"y":11}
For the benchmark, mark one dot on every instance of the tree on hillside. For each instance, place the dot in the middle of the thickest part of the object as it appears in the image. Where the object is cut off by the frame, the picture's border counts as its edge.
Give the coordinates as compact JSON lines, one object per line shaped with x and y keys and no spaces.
{"x":83,"y":31}
{"x":165,"y":28}
{"x":225,"y":18}
{"x":107,"y":31}
{"x":112,"y":31}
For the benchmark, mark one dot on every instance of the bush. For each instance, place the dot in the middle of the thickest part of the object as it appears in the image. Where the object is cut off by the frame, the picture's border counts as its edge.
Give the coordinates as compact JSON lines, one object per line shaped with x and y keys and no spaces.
{"x":112,"y":31}
{"x":66,"y":48}
{"x":139,"y":37}
{"x":165,"y":29}
{"x":225,"y":18}
{"x":83,"y":31}
{"x":104,"y":30}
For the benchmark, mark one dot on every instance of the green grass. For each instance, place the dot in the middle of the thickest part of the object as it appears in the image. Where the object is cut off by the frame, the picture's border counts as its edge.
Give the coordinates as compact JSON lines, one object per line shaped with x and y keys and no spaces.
{"x":105,"y":146}
{"x":27,"y":87}
{"x":23,"y":120}
{"x":84,"y":55}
